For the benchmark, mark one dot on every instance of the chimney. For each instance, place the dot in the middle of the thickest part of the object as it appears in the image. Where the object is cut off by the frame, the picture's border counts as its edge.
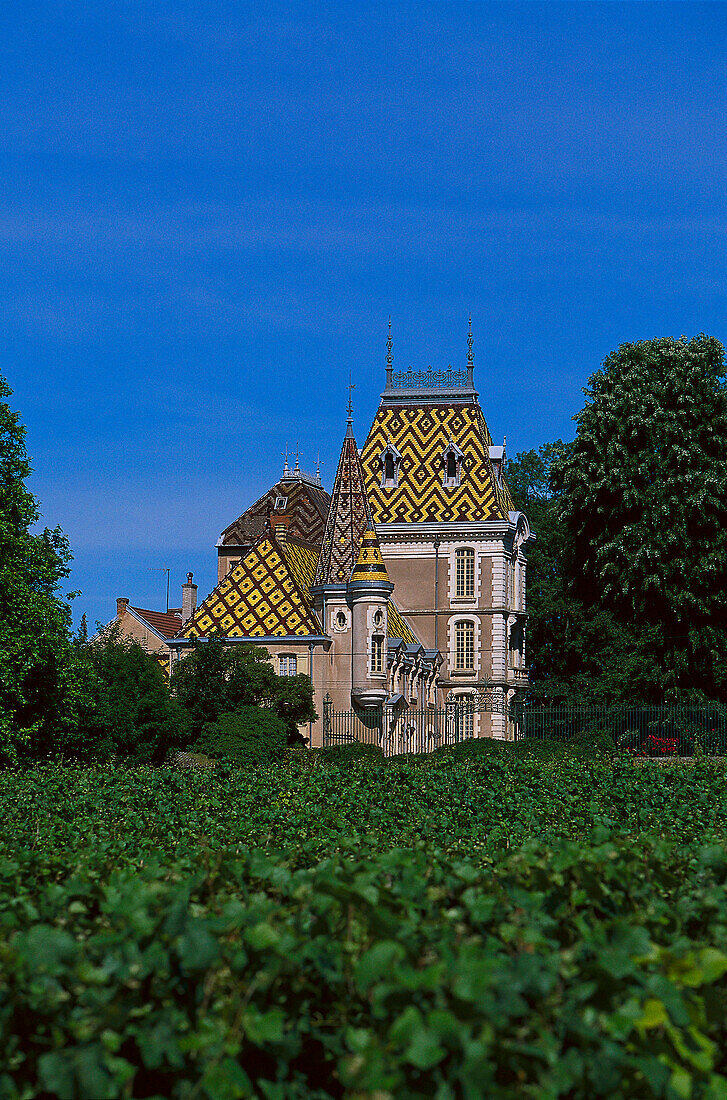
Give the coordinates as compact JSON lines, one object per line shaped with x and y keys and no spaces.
{"x":122,"y":603}
{"x":189,"y":599}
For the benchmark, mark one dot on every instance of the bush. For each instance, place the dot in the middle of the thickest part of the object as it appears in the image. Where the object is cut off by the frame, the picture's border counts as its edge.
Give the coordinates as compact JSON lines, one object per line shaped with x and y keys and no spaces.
{"x":218,"y":679}
{"x":349,"y":754}
{"x":249,"y":737}
{"x":131,"y":713}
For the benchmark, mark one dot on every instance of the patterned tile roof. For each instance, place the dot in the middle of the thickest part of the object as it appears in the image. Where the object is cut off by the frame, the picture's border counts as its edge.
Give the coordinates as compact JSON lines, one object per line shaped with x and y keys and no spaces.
{"x":370,"y":564}
{"x":307,"y":506}
{"x":266,"y":593}
{"x":398,"y":627}
{"x":348,"y":517}
{"x":421,"y":433}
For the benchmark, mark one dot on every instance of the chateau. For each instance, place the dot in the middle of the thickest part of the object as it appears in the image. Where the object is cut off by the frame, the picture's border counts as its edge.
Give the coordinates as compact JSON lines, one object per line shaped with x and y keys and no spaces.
{"x":403,"y":590}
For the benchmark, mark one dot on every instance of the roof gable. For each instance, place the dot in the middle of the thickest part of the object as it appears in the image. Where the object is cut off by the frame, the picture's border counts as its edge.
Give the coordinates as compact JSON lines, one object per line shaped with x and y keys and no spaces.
{"x":164,"y":623}
{"x":421,"y":433}
{"x":265,"y":594}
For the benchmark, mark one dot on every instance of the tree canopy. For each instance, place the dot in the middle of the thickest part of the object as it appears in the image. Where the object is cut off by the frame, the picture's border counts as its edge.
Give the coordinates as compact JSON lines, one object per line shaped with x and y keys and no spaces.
{"x":42,"y":679}
{"x":217,"y":679}
{"x":627,"y":581}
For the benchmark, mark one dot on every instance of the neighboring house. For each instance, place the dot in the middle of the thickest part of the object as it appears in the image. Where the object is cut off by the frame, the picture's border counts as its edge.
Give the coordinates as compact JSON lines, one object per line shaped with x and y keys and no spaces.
{"x":407,"y":583}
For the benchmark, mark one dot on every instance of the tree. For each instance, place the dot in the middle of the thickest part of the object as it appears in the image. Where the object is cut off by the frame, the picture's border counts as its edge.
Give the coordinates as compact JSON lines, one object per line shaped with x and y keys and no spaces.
{"x":131,"y":713}
{"x":642,"y":495}
{"x":42,"y":678}
{"x":218,"y":678}
{"x":576,"y":653}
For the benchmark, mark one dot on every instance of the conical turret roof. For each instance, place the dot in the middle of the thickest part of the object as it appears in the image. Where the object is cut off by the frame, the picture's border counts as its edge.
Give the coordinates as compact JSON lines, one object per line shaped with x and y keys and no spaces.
{"x":369,"y":565}
{"x":348,"y":518}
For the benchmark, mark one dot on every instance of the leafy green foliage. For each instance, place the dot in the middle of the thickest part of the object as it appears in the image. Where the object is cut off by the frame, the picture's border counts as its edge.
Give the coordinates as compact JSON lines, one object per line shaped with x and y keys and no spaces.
{"x":576,"y":654}
{"x":42,"y":679}
{"x":217,"y":679}
{"x":130,"y":714}
{"x":370,"y":928}
{"x":643,"y":496}
{"x":627,"y":588}
{"x":249,"y":737}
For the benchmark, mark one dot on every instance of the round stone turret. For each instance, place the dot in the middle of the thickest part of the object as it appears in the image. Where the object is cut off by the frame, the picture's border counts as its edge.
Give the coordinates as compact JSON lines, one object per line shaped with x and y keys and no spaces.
{"x":368,"y":595}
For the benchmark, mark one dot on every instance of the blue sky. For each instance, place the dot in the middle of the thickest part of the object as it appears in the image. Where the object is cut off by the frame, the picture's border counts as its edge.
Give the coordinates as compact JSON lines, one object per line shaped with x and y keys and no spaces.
{"x":208,"y":212}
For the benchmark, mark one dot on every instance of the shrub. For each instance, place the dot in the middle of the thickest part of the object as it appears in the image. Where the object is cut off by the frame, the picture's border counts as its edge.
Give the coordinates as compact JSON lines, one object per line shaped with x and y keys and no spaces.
{"x":249,"y":737}
{"x":345,"y":754}
{"x":131,"y":714}
{"x":217,"y":679}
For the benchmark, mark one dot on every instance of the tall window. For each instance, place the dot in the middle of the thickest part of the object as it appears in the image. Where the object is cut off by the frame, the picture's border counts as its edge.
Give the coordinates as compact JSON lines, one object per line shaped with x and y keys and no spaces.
{"x":451,"y":465}
{"x":377,"y":653}
{"x":464,"y":572}
{"x":390,"y":464}
{"x":288,"y":665}
{"x":464,"y":645}
{"x":468,"y":717}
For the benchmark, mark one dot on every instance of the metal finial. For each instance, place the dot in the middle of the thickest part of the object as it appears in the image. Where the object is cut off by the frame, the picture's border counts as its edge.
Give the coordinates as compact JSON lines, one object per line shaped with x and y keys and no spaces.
{"x":297,"y":459}
{"x":318,"y":468}
{"x":470,"y":357}
{"x":349,"y":422}
{"x":389,"y":345}
{"x":286,"y":470}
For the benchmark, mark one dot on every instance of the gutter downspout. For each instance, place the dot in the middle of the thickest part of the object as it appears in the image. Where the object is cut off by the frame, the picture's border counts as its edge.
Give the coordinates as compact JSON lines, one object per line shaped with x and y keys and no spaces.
{"x":310,"y":673}
{"x":436,"y":593}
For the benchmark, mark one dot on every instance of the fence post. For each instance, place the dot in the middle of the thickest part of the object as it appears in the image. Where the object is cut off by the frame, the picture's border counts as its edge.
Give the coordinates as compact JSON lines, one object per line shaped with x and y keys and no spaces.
{"x":327,"y":714}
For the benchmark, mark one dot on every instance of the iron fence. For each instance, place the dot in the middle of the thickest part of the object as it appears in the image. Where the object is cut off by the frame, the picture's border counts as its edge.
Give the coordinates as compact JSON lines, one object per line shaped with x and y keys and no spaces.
{"x":657,"y":731}
{"x":410,"y":730}
{"x":346,"y":727}
{"x":641,"y":731}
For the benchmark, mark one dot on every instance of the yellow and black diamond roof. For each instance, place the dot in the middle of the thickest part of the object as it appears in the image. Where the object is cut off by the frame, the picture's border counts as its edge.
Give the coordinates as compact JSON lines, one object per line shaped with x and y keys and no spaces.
{"x":266,"y":594}
{"x":421,"y":434}
{"x":370,"y":563}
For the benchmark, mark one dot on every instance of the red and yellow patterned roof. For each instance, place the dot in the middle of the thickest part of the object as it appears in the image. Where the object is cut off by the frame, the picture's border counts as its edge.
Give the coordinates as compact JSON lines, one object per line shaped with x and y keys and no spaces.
{"x":348,"y":518}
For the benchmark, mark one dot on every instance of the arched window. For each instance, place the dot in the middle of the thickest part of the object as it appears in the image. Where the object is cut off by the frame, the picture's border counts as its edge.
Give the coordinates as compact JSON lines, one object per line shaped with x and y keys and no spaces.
{"x":288,"y":665}
{"x":390,"y":466}
{"x":451,"y":465}
{"x":464,"y":573}
{"x":464,"y":645}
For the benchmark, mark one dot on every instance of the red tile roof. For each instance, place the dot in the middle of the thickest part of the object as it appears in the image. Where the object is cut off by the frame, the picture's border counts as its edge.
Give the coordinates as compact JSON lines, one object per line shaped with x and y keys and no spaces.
{"x":166,"y":623}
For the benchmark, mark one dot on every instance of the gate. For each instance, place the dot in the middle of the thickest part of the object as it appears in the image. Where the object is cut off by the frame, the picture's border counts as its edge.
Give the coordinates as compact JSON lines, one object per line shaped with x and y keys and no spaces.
{"x":408,"y":730}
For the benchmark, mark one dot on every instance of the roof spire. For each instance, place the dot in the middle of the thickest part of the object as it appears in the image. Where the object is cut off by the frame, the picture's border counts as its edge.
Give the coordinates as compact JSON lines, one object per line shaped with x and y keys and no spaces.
{"x":470,"y":358}
{"x":349,"y":422}
{"x":286,"y":469}
{"x":318,"y":469}
{"x":297,"y":459}
{"x":389,"y":360}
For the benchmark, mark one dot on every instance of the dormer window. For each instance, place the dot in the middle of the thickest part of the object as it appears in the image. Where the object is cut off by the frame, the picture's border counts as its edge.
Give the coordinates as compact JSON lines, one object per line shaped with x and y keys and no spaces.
{"x":452,"y":465}
{"x":390,"y":466}
{"x":281,"y":503}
